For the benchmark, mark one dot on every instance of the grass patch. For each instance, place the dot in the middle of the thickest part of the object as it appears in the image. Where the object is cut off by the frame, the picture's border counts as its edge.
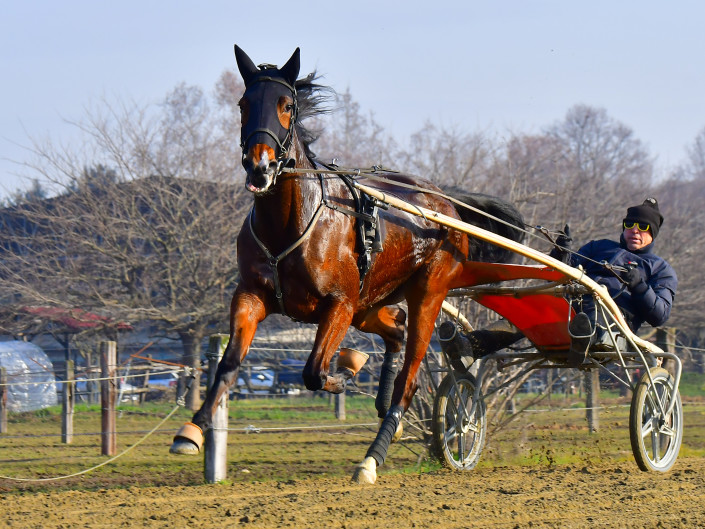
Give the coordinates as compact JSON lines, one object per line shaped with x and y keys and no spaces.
{"x":301,"y":438}
{"x":692,"y":385}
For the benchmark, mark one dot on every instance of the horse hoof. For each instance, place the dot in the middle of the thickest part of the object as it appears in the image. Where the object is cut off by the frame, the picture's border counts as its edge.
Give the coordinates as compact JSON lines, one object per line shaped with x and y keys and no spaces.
{"x":366,"y":472}
{"x":351,"y":360}
{"x":188,"y":440}
{"x":184,"y":448}
{"x":398,"y":433}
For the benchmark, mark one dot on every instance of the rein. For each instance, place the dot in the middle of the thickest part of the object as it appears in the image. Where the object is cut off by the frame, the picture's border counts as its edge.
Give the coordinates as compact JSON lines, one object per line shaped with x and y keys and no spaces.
{"x":372,"y":174}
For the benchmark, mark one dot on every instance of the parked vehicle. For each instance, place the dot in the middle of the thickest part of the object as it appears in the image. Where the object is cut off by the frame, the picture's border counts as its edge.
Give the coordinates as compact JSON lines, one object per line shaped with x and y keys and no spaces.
{"x":127,"y":392}
{"x":255,"y":380}
{"x":290,"y":372}
{"x":165,"y":380}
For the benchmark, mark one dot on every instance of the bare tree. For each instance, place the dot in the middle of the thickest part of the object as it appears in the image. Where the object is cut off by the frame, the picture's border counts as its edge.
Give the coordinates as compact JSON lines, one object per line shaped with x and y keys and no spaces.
{"x":449,"y":157}
{"x":147,"y":233}
{"x":682,"y":238}
{"x":601,"y":168}
{"x":352,"y":138}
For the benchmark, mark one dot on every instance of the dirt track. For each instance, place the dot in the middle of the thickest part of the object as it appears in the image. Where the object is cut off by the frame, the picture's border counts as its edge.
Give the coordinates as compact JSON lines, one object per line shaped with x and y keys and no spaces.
{"x":616,"y":497}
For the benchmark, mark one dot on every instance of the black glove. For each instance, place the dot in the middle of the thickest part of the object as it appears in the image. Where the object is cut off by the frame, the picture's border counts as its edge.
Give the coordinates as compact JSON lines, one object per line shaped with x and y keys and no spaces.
{"x":564,"y":242}
{"x":632,"y":278}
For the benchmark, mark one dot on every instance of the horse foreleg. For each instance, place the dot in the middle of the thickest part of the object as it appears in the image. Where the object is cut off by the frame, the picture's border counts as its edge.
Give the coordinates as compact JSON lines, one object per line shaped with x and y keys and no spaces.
{"x":331,"y":331}
{"x":422,"y":315}
{"x":245,"y":314}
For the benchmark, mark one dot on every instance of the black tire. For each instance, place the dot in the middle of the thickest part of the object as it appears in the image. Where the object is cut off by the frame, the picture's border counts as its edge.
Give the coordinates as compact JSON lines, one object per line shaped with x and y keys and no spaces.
{"x":655,"y":436}
{"x":457,"y":439}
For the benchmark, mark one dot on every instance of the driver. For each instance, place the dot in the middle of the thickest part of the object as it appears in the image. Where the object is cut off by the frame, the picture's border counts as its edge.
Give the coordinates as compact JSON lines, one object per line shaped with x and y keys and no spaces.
{"x":641,"y":283}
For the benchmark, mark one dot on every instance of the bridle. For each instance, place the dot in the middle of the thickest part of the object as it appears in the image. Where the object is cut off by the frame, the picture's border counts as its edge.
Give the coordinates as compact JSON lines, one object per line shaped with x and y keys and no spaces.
{"x":283,"y":138}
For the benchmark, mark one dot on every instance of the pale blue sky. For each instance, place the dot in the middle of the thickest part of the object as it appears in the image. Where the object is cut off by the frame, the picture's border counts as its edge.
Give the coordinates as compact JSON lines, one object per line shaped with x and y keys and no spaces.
{"x":494,"y":66}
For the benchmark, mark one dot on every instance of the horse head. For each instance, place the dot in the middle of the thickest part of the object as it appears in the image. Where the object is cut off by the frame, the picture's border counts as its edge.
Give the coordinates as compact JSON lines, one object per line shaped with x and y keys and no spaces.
{"x":268,"y":111}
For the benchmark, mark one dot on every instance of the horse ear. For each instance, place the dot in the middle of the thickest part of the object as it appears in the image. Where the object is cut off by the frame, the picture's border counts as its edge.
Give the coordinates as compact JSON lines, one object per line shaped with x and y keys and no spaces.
{"x":290,"y":70}
{"x":245,"y":65}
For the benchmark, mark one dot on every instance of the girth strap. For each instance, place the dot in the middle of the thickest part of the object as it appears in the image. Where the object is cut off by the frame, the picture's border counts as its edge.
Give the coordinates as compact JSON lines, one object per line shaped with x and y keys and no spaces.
{"x":274,"y":261}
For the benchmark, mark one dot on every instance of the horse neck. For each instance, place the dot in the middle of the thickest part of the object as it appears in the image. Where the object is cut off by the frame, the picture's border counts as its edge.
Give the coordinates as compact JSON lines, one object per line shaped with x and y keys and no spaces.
{"x":284,"y":214}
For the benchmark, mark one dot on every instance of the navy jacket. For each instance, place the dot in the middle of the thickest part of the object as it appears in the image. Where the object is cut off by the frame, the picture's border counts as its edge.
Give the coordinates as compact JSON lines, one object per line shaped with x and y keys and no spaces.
{"x":651,"y":301}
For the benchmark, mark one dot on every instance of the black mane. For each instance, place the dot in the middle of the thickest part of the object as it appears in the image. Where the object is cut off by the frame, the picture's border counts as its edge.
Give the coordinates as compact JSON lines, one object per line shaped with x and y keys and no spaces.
{"x":313,"y":100}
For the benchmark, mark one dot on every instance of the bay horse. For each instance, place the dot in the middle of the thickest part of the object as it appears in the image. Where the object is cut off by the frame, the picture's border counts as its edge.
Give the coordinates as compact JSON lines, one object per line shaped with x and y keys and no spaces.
{"x":299,"y":254}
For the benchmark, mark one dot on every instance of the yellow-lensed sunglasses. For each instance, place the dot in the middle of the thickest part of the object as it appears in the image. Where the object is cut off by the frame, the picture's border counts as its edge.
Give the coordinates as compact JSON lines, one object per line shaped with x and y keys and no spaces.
{"x":641,"y":226}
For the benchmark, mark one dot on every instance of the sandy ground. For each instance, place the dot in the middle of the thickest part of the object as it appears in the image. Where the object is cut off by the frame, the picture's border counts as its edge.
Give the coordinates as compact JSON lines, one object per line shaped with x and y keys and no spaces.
{"x":616,"y":497}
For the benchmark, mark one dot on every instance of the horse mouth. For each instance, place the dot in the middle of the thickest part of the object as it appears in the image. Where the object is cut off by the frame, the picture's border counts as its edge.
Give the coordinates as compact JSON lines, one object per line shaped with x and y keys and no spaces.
{"x":254,"y":189}
{"x":260,"y":178}
{"x":259,"y":183}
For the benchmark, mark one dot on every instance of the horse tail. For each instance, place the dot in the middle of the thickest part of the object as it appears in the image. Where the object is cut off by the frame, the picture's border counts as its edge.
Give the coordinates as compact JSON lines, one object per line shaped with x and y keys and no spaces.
{"x":509,"y":225}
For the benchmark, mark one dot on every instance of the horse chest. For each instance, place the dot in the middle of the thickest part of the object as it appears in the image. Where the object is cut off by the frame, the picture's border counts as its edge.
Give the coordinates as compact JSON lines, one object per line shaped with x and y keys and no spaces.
{"x":298,"y":281}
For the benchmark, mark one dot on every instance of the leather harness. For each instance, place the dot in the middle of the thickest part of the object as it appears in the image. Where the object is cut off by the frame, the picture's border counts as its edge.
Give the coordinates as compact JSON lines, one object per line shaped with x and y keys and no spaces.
{"x":369,"y":239}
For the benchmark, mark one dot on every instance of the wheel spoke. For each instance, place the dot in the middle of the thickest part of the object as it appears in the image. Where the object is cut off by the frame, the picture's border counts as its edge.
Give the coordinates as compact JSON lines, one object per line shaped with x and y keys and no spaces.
{"x":656,"y":398}
{"x":452,"y":405}
{"x":647,"y":428}
{"x":472,"y":427}
{"x":655,"y":446}
{"x":667,"y":431}
{"x":461,"y":447}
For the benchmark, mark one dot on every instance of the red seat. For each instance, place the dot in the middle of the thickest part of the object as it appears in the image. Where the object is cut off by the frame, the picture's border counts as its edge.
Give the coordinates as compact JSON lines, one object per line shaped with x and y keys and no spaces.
{"x":543,"y":318}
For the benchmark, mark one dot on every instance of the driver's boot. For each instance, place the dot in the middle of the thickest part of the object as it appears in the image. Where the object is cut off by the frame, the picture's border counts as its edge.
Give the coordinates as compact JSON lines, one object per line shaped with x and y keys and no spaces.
{"x":463,"y":348}
{"x":581,"y":333}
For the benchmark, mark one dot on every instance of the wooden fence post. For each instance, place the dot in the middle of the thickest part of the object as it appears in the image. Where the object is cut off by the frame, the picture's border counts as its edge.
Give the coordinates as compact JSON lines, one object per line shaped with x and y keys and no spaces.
{"x":67,"y":404}
{"x":666,"y":340}
{"x":592,"y":391}
{"x":4,"y":390}
{"x":216,"y":442}
{"x":108,"y":397}
{"x":340,"y":406}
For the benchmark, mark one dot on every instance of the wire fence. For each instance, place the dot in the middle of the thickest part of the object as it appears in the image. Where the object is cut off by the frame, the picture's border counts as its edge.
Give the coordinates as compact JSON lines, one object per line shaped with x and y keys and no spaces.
{"x":155,"y":367}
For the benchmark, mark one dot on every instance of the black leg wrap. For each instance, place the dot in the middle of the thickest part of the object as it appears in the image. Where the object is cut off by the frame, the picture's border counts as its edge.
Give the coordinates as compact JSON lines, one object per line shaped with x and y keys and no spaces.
{"x":379,"y":447}
{"x":387,"y":376}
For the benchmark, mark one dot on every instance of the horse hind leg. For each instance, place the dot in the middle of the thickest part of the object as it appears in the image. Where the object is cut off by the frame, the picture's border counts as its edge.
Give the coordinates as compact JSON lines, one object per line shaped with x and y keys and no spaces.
{"x":423,"y":310}
{"x":389,"y":324}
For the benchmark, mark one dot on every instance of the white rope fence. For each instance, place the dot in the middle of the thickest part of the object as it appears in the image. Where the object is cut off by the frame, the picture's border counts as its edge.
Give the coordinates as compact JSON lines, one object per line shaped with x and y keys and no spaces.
{"x":91,"y":469}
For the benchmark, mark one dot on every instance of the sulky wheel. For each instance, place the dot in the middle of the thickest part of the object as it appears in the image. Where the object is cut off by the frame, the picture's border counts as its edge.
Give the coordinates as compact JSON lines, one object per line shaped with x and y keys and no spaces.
{"x":655,"y":434}
{"x":458,"y":439}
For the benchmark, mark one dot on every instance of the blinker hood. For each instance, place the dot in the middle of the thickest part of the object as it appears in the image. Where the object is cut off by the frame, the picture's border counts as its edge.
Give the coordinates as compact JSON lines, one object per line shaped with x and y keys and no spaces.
{"x":264,"y":86}
{"x":263,"y":125}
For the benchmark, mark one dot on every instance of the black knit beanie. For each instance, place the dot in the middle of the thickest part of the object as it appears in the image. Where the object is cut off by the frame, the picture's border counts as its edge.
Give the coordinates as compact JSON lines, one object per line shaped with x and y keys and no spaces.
{"x":647,"y":212}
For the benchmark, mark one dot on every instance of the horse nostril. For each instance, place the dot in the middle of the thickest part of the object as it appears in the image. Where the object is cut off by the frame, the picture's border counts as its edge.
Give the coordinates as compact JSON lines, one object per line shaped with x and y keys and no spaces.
{"x":263,"y":167}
